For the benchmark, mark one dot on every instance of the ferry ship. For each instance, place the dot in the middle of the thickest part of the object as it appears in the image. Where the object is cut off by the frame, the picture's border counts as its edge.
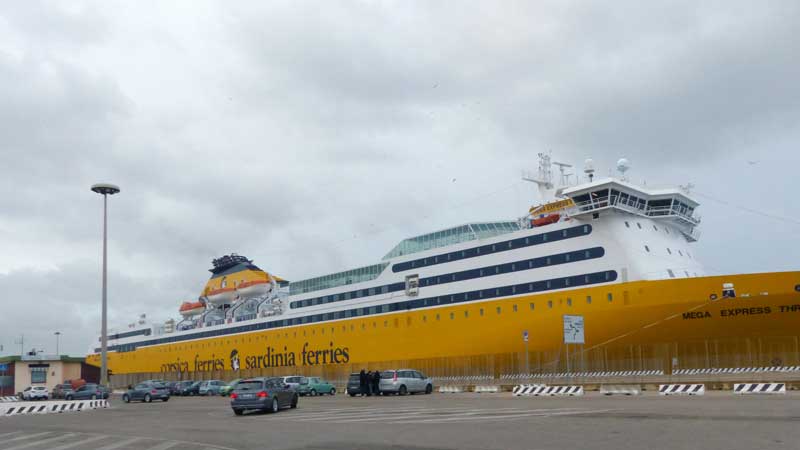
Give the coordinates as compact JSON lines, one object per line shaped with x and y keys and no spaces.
{"x":605,"y":255}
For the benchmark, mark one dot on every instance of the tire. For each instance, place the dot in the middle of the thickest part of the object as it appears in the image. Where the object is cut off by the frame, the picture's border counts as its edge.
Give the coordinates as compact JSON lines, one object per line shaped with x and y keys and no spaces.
{"x":294,"y":402}
{"x":275,"y":405}
{"x":332,"y":391}
{"x":165,"y":400}
{"x":352,"y":395}
{"x":94,"y":397}
{"x":428,"y":389}
{"x":147,"y":398}
{"x":403,"y":390}
{"x":69,"y":397}
{"x":313,"y":393}
{"x":238,"y":412}
{"x":126,"y":398}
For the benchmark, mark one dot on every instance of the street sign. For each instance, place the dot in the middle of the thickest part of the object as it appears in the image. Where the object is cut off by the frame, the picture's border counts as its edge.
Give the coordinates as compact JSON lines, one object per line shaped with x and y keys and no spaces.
{"x":573,"y":329}
{"x":525,"y":336}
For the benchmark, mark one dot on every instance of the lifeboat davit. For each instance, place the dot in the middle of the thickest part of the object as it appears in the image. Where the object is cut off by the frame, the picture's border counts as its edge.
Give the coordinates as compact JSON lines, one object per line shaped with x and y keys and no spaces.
{"x":253,"y":288}
{"x":545,"y":220}
{"x":222,"y":296}
{"x":189,"y":309}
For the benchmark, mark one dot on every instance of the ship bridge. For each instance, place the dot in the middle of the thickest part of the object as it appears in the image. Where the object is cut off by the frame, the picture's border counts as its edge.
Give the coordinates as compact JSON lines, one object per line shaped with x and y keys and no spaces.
{"x":669,"y":205}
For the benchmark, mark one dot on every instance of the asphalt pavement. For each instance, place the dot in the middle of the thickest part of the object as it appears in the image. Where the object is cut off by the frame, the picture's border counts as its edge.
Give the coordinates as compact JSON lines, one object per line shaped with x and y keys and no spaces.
{"x":718,"y":420}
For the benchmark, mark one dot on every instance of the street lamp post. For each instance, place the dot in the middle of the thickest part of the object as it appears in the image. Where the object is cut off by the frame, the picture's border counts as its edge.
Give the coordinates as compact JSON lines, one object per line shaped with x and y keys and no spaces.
{"x":58,"y":335}
{"x":105,"y":190}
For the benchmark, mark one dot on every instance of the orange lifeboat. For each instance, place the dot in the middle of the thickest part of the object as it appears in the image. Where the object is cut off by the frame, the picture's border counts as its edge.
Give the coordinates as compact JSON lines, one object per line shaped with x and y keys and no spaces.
{"x":253,"y":288}
{"x":545,"y":220}
{"x":222,"y":296}
{"x":189,"y":309}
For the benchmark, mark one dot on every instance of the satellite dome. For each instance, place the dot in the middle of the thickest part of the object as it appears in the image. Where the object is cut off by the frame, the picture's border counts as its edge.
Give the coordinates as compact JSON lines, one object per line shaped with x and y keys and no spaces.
{"x":623,"y":165}
{"x":588,"y":166}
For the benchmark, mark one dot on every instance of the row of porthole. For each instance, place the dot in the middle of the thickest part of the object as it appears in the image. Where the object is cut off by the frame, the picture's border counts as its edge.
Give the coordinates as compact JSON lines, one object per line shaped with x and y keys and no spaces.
{"x":647,"y":248}
{"x":498,"y":309}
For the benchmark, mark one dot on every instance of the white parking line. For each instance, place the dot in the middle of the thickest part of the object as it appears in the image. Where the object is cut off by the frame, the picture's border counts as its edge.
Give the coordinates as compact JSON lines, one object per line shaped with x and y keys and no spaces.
{"x":10,"y":434}
{"x":77,"y":443}
{"x":119,"y":444}
{"x":417,"y":416}
{"x":40,"y":442}
{"x":164,"y":445}
{"x":27,"y":436}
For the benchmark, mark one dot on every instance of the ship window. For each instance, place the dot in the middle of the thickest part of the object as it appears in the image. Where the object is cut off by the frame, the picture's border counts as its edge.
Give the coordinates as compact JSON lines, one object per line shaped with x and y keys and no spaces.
{"x":610,"y":297}
{"x":466,"y":313}
{"x":586,"y":229}
{"x":549,"y":303}
{"x":569,"y":302}
{"x":514,"y":308}
{"x":639,"y":225}
{"x":564,"y":233}
{"x":481,"y":311}
{"x":687,"y":273}
{"x":589,"y":299}
{"x":669,"y":251}
{"x":384,"y":289}
{"x":566,"y":257}
{"x":544,"y":237}
{"x":655,"y":227}
{"x":680,"y":252}
{"x":371,"y":291}
{"x":671,"y":273}
{"x":452,"y":316}
{"x":424,"y":319}
{"x":498,"y":310}
{"x":437,"y":317}
{"x":647,"y":248}
{"x":496,"y":269}
{"x":532,"y":306}
{"x":627,"y":224}
{"x":547,"y":261}
{"x":666,"y":229}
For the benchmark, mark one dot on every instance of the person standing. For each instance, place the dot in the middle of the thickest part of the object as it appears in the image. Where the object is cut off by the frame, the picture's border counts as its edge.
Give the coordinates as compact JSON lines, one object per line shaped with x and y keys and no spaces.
{"x":369,"y":383}
{"x":362,"y":382}
{"x":376,"y":382}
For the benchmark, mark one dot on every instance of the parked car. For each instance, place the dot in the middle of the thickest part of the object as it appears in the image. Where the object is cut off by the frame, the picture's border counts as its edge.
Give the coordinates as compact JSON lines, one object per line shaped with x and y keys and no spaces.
{"x":354,"y":384}
{"x":61,"y":391}
{"x":315,"y":386}
{"x":210,"y":387}
{"x":404,"y":381}
{"x":35,"y":393}
{"x":265,"y":394}
{"x":293,"y":381}
{"x":228,"y":388}
{"x":147,"y":392}
{"x":180,"y":386}
{"x":88,"y":391}
{"x":192,"y":389}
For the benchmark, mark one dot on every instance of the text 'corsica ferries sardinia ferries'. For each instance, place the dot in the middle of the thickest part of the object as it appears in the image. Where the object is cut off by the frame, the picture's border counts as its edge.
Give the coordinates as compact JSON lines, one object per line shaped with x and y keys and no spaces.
{"x":458,"y":301}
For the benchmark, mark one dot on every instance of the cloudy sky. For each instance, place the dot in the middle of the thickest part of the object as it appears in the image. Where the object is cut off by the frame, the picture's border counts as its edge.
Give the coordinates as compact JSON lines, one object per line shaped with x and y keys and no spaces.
{"x":313,"y":136}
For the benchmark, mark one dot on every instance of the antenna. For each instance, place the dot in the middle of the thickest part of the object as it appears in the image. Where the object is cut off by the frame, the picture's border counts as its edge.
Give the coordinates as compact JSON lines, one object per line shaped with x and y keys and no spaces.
{"x":564,"y":176}
{"x":545,"y":177}
{"x":687,"y":188}
{"x":588,"y":168}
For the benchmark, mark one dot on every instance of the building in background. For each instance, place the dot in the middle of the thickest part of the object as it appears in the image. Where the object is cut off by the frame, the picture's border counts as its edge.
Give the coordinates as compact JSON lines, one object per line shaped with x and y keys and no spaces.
{"x":19,"y":372}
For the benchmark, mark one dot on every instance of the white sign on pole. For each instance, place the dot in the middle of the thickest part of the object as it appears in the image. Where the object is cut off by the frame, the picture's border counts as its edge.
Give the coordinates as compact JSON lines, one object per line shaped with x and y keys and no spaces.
{"x":573,"y":329}
{"x":525,"y":336}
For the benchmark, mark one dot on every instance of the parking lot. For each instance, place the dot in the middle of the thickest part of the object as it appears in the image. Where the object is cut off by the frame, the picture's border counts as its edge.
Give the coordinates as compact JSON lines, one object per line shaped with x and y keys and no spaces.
{"x":437,"y":421}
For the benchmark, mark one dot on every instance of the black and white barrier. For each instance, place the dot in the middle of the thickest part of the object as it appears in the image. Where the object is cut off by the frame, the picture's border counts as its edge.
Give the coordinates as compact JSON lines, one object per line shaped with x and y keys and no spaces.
{"x":682,"y":389}
{"x":13,"y":409}
{"x":544,"y":391}
{"x":9,"y":399}
{"x":759,"y":388}
{"x":620,"y":389}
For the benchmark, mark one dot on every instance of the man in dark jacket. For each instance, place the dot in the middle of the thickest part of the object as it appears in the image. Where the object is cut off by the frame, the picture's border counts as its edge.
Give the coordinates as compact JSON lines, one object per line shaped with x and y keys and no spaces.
{"x":376,"y":382}
{"x":363,"y":383}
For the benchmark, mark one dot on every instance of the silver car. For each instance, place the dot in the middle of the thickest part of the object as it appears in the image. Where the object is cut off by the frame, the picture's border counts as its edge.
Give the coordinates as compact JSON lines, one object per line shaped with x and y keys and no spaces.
{"x":295,"y":381}
{"x":35,"y":393}
{"x":404,"y":381}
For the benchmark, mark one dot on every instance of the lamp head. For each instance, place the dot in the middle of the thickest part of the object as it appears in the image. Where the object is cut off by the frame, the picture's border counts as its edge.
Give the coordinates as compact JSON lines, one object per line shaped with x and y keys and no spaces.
{"x":105,"y":188}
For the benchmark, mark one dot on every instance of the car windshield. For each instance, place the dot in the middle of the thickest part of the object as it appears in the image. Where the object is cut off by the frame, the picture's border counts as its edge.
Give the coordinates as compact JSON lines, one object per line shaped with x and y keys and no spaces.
{"x":387,"y":374}
{"x":249,"y":385}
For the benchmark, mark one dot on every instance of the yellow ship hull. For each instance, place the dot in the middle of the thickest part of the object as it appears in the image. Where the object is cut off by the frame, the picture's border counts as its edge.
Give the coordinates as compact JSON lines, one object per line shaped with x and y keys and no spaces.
{"x":628,"y":326}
